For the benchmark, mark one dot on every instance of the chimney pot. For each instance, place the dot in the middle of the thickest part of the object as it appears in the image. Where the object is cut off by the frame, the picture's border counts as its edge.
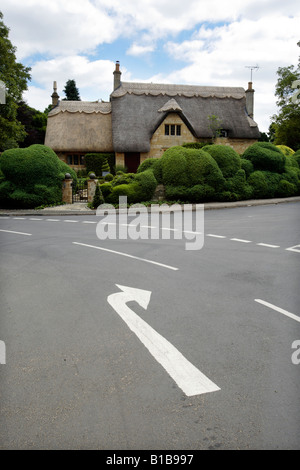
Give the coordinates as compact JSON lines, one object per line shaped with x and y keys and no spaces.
{"x":117,"y":75}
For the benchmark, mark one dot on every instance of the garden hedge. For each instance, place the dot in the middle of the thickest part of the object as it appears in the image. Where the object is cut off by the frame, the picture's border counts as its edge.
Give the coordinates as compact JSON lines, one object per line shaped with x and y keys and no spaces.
{"x":32,"y":177}
{"x":94,"y":162}
{"x":265,"y":156}
{"x":226,"y":157}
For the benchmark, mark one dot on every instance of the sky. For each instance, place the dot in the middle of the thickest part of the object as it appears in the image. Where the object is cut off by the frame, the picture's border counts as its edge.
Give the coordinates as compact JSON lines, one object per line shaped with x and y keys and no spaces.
{"x":191,"y":42}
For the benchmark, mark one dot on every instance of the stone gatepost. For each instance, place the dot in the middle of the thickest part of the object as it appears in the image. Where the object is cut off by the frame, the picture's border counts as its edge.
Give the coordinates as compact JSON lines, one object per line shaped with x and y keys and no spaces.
{"x":67,"y":193}
{"x":92,"y":184}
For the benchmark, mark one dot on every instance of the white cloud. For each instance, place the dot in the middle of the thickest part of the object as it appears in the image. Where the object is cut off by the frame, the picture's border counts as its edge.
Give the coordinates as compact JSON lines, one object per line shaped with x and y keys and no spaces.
{"x":56,"y":27}
{"x":94,"y":79}
{"x":220,"y":56}
{"x":138,"y":50}
{"x":225,"y":37}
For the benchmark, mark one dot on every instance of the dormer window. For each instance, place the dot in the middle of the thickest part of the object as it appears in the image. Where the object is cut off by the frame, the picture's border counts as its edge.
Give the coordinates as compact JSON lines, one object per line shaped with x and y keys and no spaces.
{"x":172,"y":129}
{"x":223,"y":133}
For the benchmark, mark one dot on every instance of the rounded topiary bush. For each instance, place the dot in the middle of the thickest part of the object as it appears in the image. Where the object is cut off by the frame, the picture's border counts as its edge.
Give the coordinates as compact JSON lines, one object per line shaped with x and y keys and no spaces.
{"x":147,"y":183}
{"x":137,"y":188}
{"x":189,"y":167}
{"x":259,"y":183}
{"x":265,"y":156}
{"x":33,"y":177}
{"x":237,"y":184}
{"x":146,"y":164}
{"x":286,"y":188}
{"x":106,"y":189}
{"x":174,"y":167}
{"x":109,"y":177}
{"x":226,"y":157}
{"x":247,"y":166}
{"x":285,"y":150}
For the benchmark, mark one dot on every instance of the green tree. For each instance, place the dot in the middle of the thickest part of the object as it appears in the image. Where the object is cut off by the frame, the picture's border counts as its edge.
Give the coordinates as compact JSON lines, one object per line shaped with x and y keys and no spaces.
{"x":14,"y":76}
{"x":35,"y":123}
{"x":71,"y":91}
{"x":215,"y":125}
{"x":287,"y":122}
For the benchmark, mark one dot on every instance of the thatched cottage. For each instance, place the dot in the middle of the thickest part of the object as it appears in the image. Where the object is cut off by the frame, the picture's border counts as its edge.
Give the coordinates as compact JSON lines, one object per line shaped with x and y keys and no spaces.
{"x":142,"y":120}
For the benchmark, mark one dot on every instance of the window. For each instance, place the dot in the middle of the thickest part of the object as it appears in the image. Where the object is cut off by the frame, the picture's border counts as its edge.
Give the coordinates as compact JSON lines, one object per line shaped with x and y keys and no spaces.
{"x":75,"y":159}
{"x":69,"y":160}
{"x":172,"y":129}
{"x":223,"y":133}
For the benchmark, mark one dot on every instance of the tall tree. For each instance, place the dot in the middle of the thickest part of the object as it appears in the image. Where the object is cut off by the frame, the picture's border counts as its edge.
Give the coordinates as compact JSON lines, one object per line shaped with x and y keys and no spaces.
{"x":287,"y":122}
{"x":14,"y":76}
{"x":35,"y":123}
{"x":71,"y":91}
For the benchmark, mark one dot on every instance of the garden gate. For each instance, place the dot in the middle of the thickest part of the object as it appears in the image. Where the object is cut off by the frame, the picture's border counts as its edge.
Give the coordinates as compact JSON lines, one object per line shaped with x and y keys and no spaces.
{"x":80,"y":191}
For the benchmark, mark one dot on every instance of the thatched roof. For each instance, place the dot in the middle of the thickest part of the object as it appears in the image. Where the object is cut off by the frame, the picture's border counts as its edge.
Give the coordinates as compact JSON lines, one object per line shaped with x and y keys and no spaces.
{"x":80,"y":126}
{"x":138,"y":109}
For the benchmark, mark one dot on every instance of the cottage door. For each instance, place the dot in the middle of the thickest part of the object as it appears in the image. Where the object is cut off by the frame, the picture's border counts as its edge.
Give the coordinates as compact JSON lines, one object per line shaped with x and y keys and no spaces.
{"x":132,"y":161}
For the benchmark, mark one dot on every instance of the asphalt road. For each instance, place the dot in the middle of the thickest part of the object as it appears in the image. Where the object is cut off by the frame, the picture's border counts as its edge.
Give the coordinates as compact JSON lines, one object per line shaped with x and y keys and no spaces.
{"x":78,"y":377}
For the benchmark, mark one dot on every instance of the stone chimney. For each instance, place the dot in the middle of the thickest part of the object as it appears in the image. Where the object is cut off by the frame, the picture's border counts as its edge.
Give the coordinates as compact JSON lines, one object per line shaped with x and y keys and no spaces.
{"x":117,"y":76}
{"x":54,"y":95}
{"x":250,"y":100}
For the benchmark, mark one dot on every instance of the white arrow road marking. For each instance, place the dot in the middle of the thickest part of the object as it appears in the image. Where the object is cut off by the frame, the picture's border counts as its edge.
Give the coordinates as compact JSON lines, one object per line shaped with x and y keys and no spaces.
{"x":295,"y":248}
{"x":187,"y":377}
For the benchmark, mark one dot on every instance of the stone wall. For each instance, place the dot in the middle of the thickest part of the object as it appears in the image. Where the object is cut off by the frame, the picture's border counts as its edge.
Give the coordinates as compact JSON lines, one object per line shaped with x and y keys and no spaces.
{"x":239,"y":145}
{"x":161,"y":142}
{"x":67,"y":194}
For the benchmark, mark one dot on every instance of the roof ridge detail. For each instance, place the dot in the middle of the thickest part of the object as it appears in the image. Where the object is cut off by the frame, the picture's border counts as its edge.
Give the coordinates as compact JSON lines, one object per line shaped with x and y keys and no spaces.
{"x":170,"y":105}
{"x":155,"y":89}
{"x":86,"y":107}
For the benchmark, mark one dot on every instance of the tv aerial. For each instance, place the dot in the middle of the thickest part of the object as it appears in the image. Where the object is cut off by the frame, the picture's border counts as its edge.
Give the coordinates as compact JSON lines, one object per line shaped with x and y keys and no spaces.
{"x":252,"y":67}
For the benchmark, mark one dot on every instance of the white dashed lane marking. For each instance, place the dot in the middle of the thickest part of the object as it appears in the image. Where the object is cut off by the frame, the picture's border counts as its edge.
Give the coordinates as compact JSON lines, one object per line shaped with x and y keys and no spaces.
{"x":295,"y":248}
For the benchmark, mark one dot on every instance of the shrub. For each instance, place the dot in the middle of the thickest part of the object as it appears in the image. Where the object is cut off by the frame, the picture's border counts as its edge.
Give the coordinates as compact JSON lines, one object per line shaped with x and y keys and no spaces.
{"x":132,"y":191}
{"x":238,"y":185}
{"x":226,"y":157}
{"x":265,"y":156}
{"x":206,"y":171}
{"x":259,"y":184}
{"x":105,"y":166}
{"x":292,"y":175}
{"x":106,"y":189}
{"x":291,"y":161}
{"x":123,"y":178}
{"x":157,"y":170}
{"x":189,"y":167}
{"x":109,"y":177}
{"x":273,"y":180}
{"x":176,"y":193}
{"x":286,"y":189}
{"x":247,"y":166}
{"x":98,"y":197}
{"x":285,"y":150}
{"x":33,"y":177}
{"x":174,"y":167}
{"x":195,"y":145}
{"x":146,"y":164}
{"x":147,"y":183}
{"x":94,"y":162}
{"x":296,"y":156}
{"x":200,"y":193}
